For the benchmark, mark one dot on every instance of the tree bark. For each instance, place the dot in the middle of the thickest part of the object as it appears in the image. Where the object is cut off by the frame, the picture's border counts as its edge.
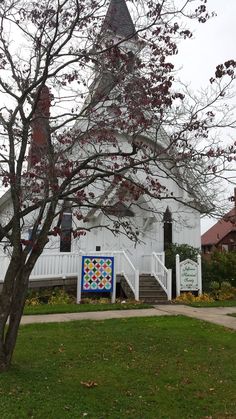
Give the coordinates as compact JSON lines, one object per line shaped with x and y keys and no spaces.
{"x":14,"y":293}
{"x":11,"y":317}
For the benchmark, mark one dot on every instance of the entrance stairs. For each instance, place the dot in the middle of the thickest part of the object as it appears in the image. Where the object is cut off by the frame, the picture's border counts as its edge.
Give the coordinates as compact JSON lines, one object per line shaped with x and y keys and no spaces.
{"x":150,"y":291}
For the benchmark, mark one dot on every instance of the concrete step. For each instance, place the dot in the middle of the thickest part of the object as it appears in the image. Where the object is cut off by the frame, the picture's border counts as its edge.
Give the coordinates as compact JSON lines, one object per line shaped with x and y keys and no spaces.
{"x":152,"y":298}
{"x":150,"y":290}
{"x":153,"y":295}
{"x":150,"y":293}
{"x":150,"y":286}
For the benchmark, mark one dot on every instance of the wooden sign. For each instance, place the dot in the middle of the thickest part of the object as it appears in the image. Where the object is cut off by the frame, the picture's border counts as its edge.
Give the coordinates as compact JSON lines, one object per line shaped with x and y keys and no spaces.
{"x":188,"y":275}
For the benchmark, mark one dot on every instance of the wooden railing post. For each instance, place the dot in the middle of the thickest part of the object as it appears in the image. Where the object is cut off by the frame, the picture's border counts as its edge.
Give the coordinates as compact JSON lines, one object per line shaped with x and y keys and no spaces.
{"x":136,"y":296}
{"x":78,"y":299}
{"x":113,"y":295}
{"x":169,"y":284}
{"x":153,"y":264}
{"x":177,"y":276}
{"x":199,"y":274}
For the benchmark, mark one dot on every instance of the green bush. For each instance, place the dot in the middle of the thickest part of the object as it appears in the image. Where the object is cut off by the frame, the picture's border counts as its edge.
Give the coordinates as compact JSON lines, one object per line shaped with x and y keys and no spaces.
{"x":222,"y":291}
{"x":48,"y":296}
{"x":59,"y":296}
{"x":220,"y":268}
{"x":183,"y":250}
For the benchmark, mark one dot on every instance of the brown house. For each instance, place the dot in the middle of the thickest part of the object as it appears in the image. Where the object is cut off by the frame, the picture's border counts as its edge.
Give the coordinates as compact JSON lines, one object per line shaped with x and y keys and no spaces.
{"x":222,"y":235}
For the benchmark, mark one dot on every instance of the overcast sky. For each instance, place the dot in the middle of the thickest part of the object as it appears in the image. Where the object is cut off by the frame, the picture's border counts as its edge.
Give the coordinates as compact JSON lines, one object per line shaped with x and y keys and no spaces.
{"x":214,"y":43}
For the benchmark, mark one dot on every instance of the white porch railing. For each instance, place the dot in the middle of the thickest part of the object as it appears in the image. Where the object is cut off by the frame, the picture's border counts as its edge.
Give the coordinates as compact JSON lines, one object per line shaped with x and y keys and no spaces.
{"x":146,"y":262}
{"x":56,"y":265}
{"x":49,"y":265}
{"x":62,"y":265}
{"x":162,"y":274}
{"x":131,"y":274}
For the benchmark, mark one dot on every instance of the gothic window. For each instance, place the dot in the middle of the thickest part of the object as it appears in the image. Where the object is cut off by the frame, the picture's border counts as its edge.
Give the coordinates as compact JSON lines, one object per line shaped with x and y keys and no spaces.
{"x":66,"y":226}
{"x":167,"y":220}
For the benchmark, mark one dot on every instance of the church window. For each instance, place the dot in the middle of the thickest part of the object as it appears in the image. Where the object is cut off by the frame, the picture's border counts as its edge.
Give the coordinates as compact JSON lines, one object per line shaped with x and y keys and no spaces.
{"x":66,"y":226}
{"x":167,"y":220}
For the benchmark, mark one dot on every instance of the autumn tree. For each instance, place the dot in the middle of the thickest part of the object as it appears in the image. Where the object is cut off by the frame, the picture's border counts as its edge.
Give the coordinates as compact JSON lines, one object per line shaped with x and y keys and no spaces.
{"x":86,"y":101}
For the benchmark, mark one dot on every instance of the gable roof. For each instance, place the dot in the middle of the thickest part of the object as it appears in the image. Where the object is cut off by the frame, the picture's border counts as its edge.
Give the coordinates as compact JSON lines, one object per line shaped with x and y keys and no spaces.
{"x":221,"y":229}
{"x":118,"y":20}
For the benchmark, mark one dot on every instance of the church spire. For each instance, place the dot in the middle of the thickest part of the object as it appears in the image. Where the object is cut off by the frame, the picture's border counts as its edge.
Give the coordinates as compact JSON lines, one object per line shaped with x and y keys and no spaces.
{"x":118,"y":20}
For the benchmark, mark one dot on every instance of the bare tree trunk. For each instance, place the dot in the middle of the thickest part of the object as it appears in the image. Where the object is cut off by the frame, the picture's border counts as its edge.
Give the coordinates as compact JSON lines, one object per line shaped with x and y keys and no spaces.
{"x":14,"y":293}
{"x":12,"y":313}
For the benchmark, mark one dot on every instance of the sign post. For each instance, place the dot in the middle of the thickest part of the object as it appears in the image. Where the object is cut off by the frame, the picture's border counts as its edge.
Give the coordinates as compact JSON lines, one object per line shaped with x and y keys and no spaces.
{"x":188,"y":275}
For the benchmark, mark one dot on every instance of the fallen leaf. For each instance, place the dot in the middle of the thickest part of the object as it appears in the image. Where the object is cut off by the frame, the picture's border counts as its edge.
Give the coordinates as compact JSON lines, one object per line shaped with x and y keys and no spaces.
{"x":89,"y":384}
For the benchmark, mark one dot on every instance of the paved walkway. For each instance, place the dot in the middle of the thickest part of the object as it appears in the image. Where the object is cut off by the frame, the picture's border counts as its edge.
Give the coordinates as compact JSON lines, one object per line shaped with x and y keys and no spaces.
{"x":214,"y":315}
{"x":217,"y":315}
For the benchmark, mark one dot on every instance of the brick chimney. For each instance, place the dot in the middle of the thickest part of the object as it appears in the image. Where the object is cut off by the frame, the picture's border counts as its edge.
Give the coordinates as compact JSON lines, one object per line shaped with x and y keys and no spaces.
{"x":40,"y":127}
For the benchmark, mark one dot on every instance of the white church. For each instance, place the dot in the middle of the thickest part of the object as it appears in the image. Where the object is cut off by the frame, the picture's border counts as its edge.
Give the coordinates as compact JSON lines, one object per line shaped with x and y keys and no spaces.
{"x":148,"y":225}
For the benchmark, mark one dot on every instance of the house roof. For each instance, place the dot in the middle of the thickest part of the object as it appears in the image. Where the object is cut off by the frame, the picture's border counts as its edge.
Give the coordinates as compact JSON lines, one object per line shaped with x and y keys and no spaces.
{"x":118,"y":19}
{"x":221,"y":229}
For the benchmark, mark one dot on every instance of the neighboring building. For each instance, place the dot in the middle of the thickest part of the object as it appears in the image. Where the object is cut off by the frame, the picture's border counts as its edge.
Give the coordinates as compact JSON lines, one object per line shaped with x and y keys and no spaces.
{"x":222,"y":235}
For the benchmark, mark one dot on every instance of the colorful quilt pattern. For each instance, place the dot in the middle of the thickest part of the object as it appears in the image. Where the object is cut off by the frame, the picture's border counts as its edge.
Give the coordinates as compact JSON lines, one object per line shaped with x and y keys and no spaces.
{"x":97,"y":274}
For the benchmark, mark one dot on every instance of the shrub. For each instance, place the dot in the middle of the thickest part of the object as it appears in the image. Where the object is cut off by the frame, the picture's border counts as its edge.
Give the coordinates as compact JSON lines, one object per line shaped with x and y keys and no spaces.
{"x":220,"y":267}
{"x":188,"y":297}
{"x":222,"y":291}
{"x":214,"y":288}
{"x":48,"y":296}
{"x":183,"y":250}
{"x":59,"y":296}
{"x":32,"y":301}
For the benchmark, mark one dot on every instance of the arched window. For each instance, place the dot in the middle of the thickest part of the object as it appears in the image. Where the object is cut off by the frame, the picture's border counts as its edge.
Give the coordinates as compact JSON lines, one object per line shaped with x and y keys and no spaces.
{"x":167,"y":220}
{"x":66,"y":226}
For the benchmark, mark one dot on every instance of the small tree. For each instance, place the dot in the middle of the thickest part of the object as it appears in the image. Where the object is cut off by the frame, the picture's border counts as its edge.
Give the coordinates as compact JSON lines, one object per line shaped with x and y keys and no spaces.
{"x":219,"y":268}
{"x":61,"y":47}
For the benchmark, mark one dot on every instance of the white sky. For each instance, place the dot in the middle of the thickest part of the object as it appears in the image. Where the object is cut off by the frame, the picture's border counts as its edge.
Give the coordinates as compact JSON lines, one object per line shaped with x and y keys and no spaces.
{"x":214,"y":43}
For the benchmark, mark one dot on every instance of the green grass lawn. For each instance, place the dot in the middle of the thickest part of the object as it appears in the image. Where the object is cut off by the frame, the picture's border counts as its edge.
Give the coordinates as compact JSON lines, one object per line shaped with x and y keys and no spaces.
{"x":225,"y":303}
{"x":80,"y":308}
{"x":138,"y":368}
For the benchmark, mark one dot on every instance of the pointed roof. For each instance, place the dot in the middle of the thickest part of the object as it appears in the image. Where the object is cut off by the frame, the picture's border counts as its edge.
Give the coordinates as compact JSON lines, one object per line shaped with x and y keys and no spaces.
{"x":118,"y":20}
{"x":219,"y":230}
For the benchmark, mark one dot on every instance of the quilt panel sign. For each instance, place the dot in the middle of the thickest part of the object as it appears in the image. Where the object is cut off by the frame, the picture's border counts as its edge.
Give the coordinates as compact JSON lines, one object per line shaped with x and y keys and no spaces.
{"x":97,"y":274}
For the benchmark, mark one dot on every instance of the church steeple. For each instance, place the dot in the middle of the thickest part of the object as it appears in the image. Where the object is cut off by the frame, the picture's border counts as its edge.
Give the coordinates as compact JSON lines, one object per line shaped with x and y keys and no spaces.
{"x":118,"y":20}
{"x":117,"y":26}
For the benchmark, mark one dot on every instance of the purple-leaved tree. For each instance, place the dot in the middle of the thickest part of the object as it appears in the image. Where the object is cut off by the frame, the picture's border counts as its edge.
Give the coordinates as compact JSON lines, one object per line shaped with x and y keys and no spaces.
{"x":88,"y":98}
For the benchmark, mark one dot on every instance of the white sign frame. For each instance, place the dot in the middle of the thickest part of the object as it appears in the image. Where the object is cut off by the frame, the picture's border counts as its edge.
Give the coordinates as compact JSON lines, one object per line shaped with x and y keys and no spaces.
{"x":188,"y":275}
